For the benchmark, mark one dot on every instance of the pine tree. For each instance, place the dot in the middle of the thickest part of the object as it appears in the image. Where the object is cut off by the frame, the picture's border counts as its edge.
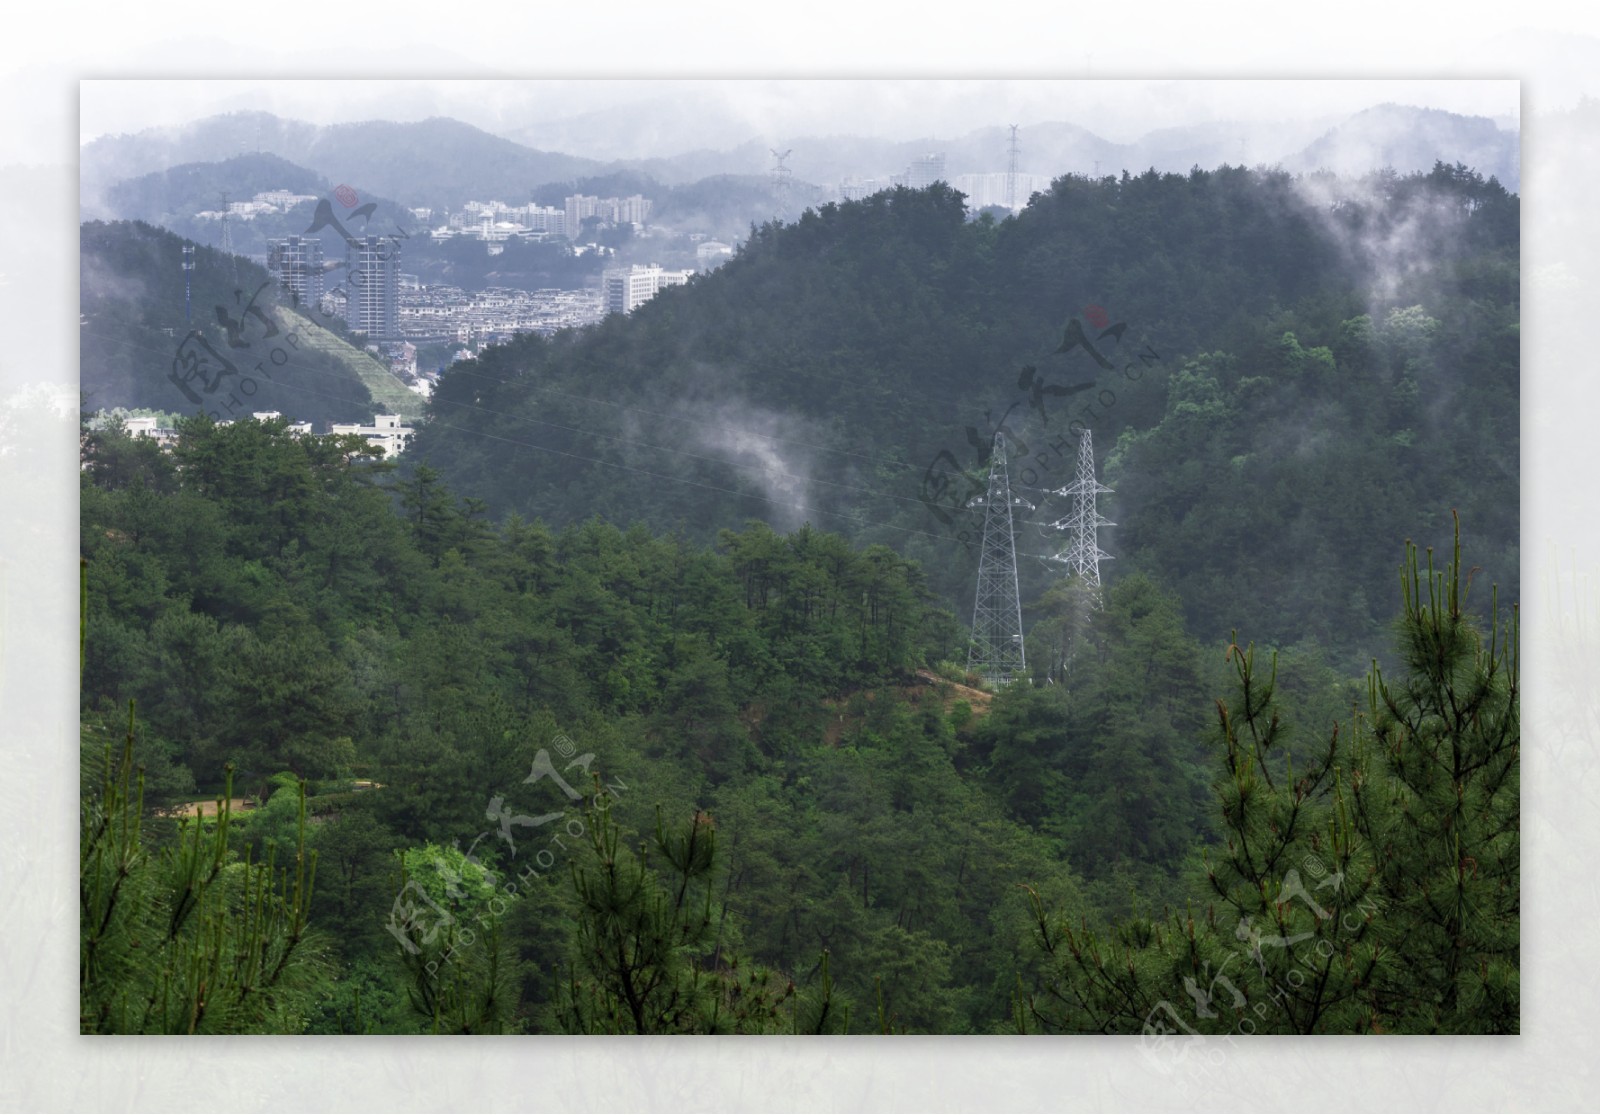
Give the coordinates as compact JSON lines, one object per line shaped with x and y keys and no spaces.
{"x":187,"y":937}
{"x":651,"y":955}
{"x":1445,"y":824}
{"x":1370,"y":885}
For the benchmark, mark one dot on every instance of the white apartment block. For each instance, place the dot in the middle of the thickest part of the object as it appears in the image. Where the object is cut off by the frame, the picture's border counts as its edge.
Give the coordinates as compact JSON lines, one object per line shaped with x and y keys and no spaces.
{"x":296,"y":263}
{"x":710,"y":254}
{"x":386,"y":432}
{"x":628,"y":288}
{"x":984,"y":190}
{"x":618,"y":210}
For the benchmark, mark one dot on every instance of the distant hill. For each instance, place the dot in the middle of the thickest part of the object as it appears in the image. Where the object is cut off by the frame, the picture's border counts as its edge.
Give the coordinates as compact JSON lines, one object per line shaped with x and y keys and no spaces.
{"x":110,"y":159}
{"x":164,"y":197}
{"x":435,"y":162}
{"x":1410,"y":139}
{"x":135,"y":351}
{"x":442,"y":163}
{"x":172,"y":198}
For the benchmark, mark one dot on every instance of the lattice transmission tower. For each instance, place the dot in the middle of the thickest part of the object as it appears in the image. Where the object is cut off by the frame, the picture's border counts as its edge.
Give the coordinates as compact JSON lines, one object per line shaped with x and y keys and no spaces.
{"x":781,"y":175}
{"x":997,"y":652}
{"x":1083,"y":554}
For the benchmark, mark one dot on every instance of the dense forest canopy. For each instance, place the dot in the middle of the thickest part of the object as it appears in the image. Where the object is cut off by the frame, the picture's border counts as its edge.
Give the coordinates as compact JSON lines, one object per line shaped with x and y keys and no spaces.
{"x":633,"y":699}
{"x":1320,"y":360}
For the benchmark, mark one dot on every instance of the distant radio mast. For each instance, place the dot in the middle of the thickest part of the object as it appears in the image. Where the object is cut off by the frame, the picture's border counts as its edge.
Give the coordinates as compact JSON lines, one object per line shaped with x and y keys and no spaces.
{"x":780,"y":182}
{"x":1011,"y":171}
{"x":188,"y":273}
{"x":227,"y":239}
{"x":997,"y":651}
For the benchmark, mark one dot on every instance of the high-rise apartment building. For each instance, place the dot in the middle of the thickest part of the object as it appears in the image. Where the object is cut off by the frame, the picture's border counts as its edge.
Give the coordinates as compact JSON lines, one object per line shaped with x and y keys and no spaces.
{"x":619,"y":210}
{"x":373,"y":305}
{"x":631,"y":210}
{"x":296,"y":264}
{"x":579,"y":207}
{"x":925,"y":171}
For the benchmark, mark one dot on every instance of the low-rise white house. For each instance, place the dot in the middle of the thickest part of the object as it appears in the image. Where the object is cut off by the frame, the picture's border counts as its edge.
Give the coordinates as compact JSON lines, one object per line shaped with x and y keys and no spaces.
{"x":386,"y":432}
{"x":147,"y":426}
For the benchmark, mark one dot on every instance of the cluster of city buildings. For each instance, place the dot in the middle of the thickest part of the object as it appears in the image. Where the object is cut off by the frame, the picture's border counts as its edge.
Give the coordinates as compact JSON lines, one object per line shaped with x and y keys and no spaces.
{"x":922,"y":172}
{"x":448,"y":313}
{"x":387,"y":305}
{"x":386,"y":431}
{"x":985,"y":190}
{"x":495,"y":221}
{"x":267,"y":201}
{"x":377,"y":299}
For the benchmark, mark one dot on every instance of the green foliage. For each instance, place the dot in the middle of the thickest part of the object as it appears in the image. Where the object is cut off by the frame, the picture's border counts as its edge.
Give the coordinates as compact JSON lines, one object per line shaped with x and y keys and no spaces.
{"x":318,"y":616}
{"x":650,"y":948}
{"x":461,"y":975}
{"x":1368,"y":886}
{"x":187,"y":937}
{"x":1300,"y":399}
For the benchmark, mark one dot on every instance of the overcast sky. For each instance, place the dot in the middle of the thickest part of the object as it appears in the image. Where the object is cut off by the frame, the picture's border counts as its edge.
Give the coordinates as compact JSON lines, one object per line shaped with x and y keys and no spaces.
{"x":724,"y":112}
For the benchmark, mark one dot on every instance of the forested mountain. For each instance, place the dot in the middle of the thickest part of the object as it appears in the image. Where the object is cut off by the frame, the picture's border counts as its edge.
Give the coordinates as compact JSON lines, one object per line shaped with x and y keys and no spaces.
{"x":1407,"y":138}
{"x":1288,"y":365}
{"x":633,"y":699}
{"x":178,"y":193}
{"x":260,"y":602}
{"x":777,"y":817}
{"x":240,"y":349}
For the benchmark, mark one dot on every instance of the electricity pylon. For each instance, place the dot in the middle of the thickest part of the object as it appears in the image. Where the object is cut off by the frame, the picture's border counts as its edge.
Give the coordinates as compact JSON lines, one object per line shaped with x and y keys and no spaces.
{"x":1083,"y":554}
{"x":997,"y":652}
{"x":781,"y":175}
